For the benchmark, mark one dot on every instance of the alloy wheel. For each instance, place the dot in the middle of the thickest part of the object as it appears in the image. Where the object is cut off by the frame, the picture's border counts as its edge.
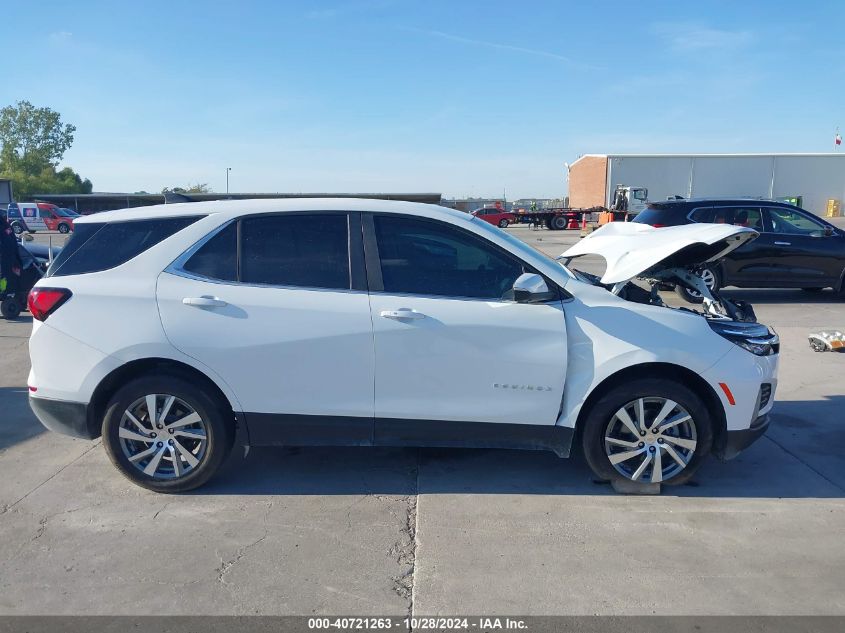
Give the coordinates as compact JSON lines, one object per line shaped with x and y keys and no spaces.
{"x":163,"y":436}
{"x":709,"y":281}
{"x":650,"y":439}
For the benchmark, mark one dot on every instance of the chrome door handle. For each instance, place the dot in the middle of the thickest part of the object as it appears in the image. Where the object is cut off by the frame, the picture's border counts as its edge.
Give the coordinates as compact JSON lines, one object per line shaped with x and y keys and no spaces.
{"x":783,"y":243}
{"x":402,"y":313}
{"x":204,"y":302}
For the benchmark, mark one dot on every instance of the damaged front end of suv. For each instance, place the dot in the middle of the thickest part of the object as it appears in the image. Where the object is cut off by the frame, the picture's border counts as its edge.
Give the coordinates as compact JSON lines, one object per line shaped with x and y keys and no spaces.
{"x":639,"y":255}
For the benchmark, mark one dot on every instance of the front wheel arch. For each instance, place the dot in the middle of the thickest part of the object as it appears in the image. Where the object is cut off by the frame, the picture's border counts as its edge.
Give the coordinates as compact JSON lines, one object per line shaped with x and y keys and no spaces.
{"x":667,"y":371}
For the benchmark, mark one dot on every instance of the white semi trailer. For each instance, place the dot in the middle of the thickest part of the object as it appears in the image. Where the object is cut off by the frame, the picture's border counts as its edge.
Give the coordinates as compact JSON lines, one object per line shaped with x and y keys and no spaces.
{"x":809,"y":180}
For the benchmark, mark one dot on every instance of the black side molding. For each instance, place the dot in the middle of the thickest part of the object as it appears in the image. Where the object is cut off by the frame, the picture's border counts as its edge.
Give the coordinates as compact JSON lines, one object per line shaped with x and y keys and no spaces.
{"x":268,"y":429}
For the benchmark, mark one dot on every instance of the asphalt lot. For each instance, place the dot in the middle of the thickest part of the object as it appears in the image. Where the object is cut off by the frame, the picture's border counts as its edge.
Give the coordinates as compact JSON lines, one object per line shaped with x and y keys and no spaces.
{"x":388,"y":531}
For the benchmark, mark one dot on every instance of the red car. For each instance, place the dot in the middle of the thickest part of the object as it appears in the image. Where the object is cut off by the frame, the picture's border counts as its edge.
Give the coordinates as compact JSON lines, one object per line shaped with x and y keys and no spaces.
{"x":39,"y":216}
{"x":499,"y":217}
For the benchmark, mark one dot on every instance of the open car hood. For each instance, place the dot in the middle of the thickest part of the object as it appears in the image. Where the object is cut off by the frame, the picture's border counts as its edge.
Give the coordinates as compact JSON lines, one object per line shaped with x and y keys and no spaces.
{"x":633,"y":250}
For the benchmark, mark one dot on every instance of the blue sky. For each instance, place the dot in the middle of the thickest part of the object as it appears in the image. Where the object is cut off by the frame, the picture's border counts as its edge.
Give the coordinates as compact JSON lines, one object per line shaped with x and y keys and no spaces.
{"x":458,"y":97}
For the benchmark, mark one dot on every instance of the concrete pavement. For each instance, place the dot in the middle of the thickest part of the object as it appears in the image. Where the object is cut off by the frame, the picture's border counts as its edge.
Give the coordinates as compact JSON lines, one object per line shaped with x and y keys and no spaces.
{"x":389,"y":531}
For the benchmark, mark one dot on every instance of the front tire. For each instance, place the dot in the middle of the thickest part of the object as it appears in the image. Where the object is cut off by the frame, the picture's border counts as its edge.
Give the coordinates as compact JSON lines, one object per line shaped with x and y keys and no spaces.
{"x":166,"y":434}
{"x":503,"y":223}
{"x":710,"y":277}
{"x":651,"y":430}
{"x":17,"y":228}
{"x":558,"y":223}
{"x":64,"y":229}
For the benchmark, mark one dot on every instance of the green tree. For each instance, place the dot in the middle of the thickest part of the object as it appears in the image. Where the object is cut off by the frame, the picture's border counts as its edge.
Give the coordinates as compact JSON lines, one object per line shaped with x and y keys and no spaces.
{"x":33,"y":137}
{"x":32,"y":142}
{"x":197,"y":188}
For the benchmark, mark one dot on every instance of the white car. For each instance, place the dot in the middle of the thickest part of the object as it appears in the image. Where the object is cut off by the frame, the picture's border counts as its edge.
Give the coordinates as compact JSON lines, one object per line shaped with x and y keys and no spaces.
{"x":178,"y":331}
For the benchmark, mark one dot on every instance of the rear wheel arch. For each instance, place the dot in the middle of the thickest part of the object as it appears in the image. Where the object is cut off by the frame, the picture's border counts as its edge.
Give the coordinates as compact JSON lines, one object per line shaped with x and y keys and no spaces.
{"x":666,"y":371}
{"x":109,"y":385}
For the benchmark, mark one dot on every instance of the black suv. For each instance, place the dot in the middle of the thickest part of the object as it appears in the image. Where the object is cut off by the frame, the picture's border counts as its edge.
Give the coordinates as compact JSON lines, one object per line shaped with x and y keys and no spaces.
{"x":795,"y":248}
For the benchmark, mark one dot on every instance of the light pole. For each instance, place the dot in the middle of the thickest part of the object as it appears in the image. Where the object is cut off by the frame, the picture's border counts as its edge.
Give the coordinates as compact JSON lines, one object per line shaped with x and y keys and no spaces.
{"x":228,"y":169}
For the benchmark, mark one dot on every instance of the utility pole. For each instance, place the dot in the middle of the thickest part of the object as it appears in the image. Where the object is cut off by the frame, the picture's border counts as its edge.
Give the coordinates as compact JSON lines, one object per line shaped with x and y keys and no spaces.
{"x":228,"y":169}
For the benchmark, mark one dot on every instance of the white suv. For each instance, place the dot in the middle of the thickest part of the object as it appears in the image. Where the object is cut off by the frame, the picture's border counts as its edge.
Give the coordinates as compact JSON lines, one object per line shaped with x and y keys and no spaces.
{"x":178,"y":331}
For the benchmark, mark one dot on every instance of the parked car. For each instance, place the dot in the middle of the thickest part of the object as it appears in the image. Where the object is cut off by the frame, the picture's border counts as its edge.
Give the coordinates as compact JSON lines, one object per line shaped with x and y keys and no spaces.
{"x":795,"y":249}
{"x":499,"y":217}
{"x":39,"y":216}
{"x":195,"y":327}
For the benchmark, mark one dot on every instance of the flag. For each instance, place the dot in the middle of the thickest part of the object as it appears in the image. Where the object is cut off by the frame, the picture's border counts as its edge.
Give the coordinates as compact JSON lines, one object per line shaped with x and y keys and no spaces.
{"x":837,"y":139}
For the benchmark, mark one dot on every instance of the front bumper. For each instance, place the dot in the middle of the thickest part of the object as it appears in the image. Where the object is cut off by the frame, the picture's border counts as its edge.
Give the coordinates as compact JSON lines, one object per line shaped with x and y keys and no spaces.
{"x":62,"y":416}
{"x":734,"y":442}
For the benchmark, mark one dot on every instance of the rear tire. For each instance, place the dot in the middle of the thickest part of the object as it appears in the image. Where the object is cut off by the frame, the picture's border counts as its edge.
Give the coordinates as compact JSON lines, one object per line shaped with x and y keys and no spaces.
{"x":615,"y":453}
{"x":167,"y":454}
{"x":10,"y":308}
{"x":558,"y":223}
{"x":17,"y":228}
{"x":64,"y":229}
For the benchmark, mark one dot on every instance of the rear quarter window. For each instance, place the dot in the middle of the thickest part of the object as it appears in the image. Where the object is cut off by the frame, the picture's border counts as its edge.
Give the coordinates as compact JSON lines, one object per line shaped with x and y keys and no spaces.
{"x":100,"y":246}
{"x":663,"y":216}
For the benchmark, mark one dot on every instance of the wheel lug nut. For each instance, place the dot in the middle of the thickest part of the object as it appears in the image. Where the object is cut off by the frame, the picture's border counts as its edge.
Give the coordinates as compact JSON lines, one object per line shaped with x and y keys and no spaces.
{"x":641,"y":444}
{"x":651,"y":449}
{"x":642,"y":433}
{"x":170,"y":431}
{"x":152,"y":434}
{"x":170,"y":442}
{"x":660,"y":440}
{"x":160,"y":426}
{"x":159,"y":444}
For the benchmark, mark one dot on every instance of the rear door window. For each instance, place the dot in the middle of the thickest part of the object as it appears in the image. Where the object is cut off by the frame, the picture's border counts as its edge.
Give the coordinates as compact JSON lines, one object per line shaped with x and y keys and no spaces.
{"x":304,"y":250}
{"x":96,"y":247}
{"x":751,"y":217}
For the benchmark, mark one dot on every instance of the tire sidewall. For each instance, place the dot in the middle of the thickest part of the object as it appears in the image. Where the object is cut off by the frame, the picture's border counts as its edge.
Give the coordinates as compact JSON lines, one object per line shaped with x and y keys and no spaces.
{"x":10,"y":308}
{"x":219,"y":433}
{"x":684,"y":293}
{"x":603,"y":410}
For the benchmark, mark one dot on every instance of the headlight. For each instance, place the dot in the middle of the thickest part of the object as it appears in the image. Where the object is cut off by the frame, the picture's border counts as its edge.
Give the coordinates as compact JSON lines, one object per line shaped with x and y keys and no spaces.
{"x":754,"y":337}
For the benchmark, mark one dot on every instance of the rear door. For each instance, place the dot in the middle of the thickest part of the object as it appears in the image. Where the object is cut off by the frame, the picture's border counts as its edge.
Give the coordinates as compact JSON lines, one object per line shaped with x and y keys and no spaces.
{"x":277,"y":306}
{"x":450,"y":344}
{"x":749,"y":264}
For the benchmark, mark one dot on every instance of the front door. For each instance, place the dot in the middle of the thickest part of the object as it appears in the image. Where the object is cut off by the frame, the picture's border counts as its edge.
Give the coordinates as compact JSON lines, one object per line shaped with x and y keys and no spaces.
{"x":450,"y":343}
{"x":802,"y":253}
{"x":282,"y":324}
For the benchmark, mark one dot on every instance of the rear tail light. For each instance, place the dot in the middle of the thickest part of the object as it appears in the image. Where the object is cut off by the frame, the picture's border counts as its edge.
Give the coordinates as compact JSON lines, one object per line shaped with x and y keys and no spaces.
{"x":658,"y":226}
{"x":42,"y":302}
